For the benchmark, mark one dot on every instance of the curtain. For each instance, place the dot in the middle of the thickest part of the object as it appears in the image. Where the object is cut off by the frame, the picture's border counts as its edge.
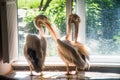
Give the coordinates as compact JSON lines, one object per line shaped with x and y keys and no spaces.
{"x":0,"y":48}
{"x":9,"y":33}
{"x":0,"y":39}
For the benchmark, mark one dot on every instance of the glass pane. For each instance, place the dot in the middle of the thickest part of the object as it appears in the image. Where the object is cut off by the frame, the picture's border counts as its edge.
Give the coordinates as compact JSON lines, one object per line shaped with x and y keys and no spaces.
{"x":55,"y":10}
{"x":103,"y":26}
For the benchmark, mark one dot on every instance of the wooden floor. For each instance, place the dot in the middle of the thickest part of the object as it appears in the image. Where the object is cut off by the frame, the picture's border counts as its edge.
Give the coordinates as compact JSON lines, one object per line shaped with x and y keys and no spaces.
{"x":57,"y":75}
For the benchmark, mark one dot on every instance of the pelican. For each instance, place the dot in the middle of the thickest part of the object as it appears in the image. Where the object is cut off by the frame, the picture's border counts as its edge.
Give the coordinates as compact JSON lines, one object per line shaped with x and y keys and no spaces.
{"x":67,"y":51}
{"x":74,"y":18}
{"x":35,"y":49}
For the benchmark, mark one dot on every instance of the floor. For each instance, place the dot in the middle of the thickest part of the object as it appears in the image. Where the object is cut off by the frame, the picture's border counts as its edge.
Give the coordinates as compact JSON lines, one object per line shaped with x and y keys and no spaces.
{"x":57,"y":75}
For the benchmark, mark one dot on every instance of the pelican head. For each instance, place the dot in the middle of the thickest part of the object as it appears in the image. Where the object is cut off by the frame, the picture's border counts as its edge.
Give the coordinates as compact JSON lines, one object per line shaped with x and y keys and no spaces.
{"x":73,"y":18}
{"x":42,"y":20}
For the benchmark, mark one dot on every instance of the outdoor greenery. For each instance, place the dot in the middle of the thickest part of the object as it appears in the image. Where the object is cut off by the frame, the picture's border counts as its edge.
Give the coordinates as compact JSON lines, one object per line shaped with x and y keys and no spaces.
{"x":103,"y":25}
{"x":102,"y":21}
{"x":28,"y":4}
{"x":55,"y":11}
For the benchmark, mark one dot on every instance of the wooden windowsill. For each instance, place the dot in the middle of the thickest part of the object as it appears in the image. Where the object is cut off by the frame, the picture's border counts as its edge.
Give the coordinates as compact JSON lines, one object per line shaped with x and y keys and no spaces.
{"x":53,"y":64}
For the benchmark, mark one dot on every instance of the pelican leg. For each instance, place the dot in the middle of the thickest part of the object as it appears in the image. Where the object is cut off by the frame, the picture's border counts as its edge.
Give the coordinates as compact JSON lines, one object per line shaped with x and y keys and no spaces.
{"x":76,"y":69}
{"x":67,"y":67}
{"x":31,"y":74}
{"x":41,"y":74}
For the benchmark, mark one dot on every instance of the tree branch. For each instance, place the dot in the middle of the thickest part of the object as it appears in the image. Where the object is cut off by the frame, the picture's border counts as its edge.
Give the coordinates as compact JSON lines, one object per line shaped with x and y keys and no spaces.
{"x":46,"y":5}
{"x":41,"y":4}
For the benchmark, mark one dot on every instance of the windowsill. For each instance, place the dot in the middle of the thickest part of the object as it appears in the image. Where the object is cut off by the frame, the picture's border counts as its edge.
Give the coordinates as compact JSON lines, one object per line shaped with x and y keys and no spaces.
{"x":110,"y":61}
{"x":55,"y":63}
{"x":20,"y":63}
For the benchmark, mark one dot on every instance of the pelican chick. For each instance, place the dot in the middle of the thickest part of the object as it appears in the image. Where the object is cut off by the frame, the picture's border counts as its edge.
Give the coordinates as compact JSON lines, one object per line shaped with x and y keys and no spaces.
{"x":33,"y":53}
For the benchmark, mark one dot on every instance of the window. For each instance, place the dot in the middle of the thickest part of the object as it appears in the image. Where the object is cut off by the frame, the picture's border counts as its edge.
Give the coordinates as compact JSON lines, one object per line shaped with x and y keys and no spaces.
{"x":103,"y":29}
{"x":99,"y":27}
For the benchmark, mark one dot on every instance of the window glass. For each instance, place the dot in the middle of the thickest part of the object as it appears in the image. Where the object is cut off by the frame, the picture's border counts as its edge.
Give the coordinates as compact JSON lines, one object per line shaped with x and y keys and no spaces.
{"x":103,"y":27}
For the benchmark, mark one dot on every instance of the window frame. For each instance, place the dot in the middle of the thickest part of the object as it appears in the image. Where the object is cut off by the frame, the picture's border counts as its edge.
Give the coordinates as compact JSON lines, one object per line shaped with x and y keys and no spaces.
{"x":95,"y":60}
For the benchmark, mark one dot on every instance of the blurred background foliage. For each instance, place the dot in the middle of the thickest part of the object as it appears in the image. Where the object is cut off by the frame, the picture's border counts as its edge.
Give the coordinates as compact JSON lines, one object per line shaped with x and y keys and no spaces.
{"x":54,"y":9}
{"x":103,"y":25}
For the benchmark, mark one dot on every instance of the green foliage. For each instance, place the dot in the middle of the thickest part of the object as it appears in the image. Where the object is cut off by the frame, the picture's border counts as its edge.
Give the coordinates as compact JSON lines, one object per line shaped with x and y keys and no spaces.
{"x":93,"y":16}
{"x":28,"y":4}
{"x":100,"y":17}
{"x":103,"y":25}
{"x":56,"y":12}
{"x":30,"y":15}
{"x":117,"y":38}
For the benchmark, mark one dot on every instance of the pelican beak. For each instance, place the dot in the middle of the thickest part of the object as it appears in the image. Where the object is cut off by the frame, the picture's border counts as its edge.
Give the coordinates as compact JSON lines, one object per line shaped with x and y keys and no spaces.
{"x":44,"y":21}
{"x":76,"y":30}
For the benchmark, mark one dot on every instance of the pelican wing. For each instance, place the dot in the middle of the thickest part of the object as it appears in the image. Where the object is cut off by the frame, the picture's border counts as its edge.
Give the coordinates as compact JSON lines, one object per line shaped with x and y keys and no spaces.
{"x":82,"y":51}
{"x":33,"y":52}
{"x":34,"y":59}
{"x":69,"y":53}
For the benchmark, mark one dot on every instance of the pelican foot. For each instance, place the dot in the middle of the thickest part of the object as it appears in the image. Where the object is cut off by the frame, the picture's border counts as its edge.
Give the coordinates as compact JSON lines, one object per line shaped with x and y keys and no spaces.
{"x":41,"y":74}
{"x":31,"y":74}
{"x":76,"y":72}
{"x":68,"y":73}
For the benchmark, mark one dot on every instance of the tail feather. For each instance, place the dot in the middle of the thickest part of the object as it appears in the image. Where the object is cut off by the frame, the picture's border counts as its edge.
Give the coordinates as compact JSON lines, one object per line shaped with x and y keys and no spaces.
{"x":83,"y":54}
